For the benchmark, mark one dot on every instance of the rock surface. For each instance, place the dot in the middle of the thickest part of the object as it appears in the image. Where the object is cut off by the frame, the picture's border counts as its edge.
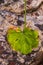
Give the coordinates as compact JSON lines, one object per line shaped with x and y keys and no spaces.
{"x":12,"y":13}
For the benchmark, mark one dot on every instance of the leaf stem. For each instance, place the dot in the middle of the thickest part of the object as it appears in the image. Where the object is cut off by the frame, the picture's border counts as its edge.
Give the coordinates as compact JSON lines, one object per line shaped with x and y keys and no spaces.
{"x":24,"y":13}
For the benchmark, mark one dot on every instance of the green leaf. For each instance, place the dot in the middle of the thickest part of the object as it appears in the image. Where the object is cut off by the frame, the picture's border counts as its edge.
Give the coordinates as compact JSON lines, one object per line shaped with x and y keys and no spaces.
{"x":32,"y":36}
{"x":23,"y":41}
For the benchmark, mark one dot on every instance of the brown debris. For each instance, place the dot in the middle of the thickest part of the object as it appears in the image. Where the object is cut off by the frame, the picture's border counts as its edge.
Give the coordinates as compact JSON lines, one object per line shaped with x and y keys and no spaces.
{"x":1,"y":49}
{"x":18,"y":7}
{"x":38,"y":58}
